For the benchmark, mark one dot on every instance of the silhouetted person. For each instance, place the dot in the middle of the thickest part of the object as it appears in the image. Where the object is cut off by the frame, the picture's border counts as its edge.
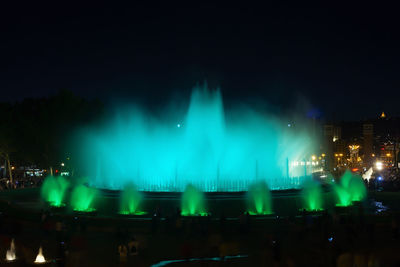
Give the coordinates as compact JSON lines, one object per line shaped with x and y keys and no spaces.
{"x":61,"y":254}
{"x":123,"y":254}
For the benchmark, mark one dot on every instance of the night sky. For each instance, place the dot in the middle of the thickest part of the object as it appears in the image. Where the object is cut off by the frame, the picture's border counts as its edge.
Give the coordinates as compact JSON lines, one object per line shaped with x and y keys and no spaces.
{"x":340,"y":60}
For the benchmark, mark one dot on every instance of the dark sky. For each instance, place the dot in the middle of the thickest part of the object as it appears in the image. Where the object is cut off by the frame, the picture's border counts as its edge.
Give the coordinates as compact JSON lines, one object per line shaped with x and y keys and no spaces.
{"x":341,"y":60}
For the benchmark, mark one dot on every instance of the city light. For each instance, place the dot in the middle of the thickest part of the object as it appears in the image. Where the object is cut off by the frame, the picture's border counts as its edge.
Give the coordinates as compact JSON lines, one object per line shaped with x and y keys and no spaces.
{"x":379,"y":165}
{"x":354,"y":147}
{"x":313,"y":157}
{"x":388,"y":154}
{"x":62,"y":164}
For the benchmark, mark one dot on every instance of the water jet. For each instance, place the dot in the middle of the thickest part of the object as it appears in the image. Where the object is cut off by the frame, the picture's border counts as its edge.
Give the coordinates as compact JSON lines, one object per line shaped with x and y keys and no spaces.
{"x":259,"y":199}
{"x":82,"y":199}
{"x":192,"y":203}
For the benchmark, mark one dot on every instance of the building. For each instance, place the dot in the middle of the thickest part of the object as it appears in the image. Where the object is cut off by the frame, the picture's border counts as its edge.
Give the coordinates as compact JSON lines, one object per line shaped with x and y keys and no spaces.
{"x":360,"y":144}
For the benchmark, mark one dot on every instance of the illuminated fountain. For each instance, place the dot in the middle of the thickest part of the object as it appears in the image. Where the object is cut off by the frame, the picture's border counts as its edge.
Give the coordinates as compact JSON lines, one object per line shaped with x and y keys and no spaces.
{"x":203,"y":144}
{"x":367,"y":175}
{"x":357,"y":189}
{"x":350,"y":189}
{"x":40,"y":258}
{"x":82,"y":198}
{"x":130,"y":200}
{"x":53,"y":190}
{"x":10,"y":254}
{"x":259,"y":199}
{"x":312,"y":195}
{"x":192,"y":202}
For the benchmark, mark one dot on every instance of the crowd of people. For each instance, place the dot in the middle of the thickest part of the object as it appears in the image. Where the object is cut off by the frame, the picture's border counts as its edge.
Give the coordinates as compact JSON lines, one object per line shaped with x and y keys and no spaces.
{"x":386,"y":180}
{"x":20,"y":182}
{"x":329,"y":239}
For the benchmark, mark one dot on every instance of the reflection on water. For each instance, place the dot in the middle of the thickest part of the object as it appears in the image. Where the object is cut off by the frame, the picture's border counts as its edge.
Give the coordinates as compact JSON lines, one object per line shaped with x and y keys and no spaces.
{"x":379,"y":207}
{"x":167,"y":262}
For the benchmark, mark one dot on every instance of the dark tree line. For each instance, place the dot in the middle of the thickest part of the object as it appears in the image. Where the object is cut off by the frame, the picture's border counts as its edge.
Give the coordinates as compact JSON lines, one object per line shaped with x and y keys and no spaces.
{"x":37,"y":131}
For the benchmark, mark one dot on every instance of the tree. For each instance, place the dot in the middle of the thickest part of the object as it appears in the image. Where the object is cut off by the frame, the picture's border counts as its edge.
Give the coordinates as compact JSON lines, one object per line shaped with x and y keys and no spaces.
{"x":36,"y":131}
{"x":7,"y":136}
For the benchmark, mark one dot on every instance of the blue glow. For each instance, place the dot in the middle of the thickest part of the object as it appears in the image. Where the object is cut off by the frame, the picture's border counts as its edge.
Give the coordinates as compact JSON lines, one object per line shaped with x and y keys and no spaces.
{"x":380,"y":178}
{"x":167,"y":262}
{"x":213,"y":149}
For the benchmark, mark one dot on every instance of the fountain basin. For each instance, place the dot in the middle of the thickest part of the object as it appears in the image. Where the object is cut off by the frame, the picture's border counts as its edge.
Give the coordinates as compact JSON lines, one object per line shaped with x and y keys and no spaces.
{"x":342,"y":209}
{"x":134,"y":214}
{"x":57,"y":208}
{"x":87,"y":212}
{"x":203,"y":214}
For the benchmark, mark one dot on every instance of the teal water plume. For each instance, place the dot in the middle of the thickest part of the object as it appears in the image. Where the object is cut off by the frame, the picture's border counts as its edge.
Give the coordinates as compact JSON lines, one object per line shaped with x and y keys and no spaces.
{"x":54,"y":189}
{"x":200,"y":143}
{"x":192,"y":202}
{"x":259,"y":199}
{"x":130,"y":200}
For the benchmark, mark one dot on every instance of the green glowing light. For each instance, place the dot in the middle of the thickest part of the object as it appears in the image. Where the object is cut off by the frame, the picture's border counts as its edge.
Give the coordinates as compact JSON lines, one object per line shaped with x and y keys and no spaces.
{"x":85,"y":210}
{"x":259,"y":199}
{"x":138,"y":213}
{"x":358,"y":189}
{"x":62,"y":205}
{"x":258,"y":214}
{"x":213,"y":148}
{"x":82,"y":198}
{"x":192,"y":203}
{"x":312,"y":195}
{"x":343,"y":204}
{"x":53,"y":190}
{"x":130,"y":200}
{"x":351,"y":188}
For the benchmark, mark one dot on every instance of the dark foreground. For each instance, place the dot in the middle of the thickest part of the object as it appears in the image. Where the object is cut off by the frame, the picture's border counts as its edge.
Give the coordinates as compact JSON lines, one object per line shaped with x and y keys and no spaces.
{"x":326,"y":239}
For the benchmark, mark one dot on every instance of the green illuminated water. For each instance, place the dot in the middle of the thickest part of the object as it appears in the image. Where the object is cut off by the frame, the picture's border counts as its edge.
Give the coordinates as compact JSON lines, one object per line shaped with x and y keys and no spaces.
{"x":350,"y":188}
{"x":259,"y":199}
{"x":312,"y":195}
{"x":199,"y":143}
{"x":53,"y":190}
{"x":192,"y":202}
{"x":130,"y":200}
{"x":82,"y":198}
